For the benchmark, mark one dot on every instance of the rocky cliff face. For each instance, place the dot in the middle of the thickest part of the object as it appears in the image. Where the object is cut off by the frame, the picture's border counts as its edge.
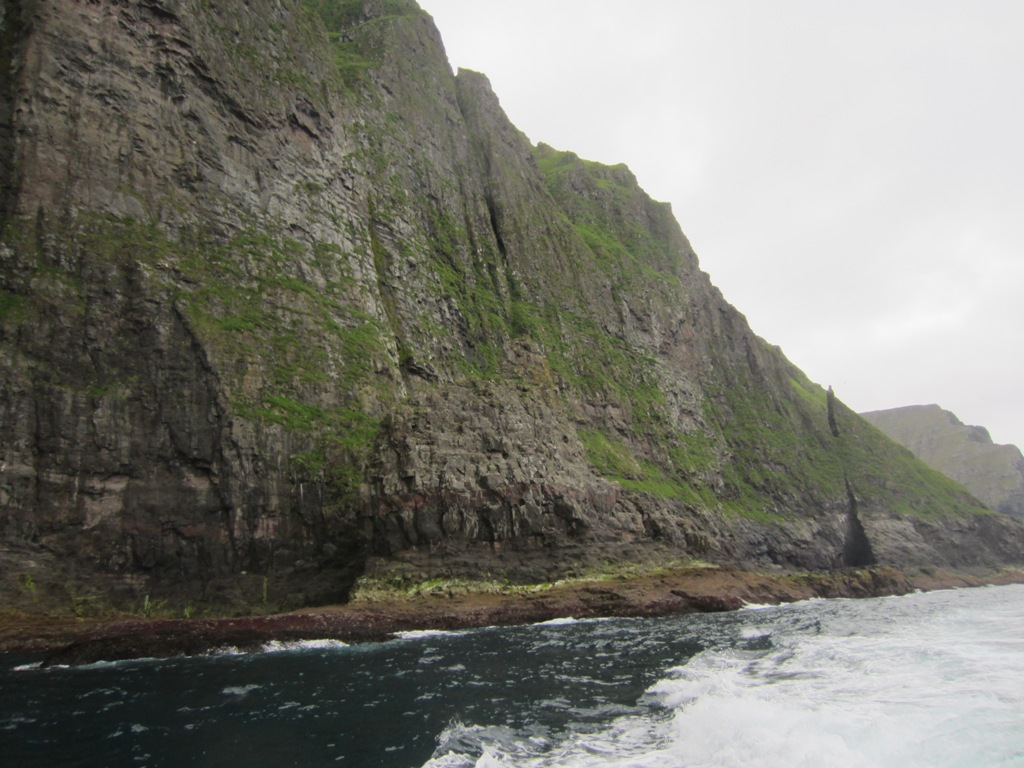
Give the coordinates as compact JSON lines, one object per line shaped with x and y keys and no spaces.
{"x":993,"y":473}
{"x":283,"y":301}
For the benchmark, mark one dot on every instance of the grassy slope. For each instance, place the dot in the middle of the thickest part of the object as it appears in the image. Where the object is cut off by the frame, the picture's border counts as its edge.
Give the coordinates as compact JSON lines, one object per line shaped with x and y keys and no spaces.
{"x":767,"y":448}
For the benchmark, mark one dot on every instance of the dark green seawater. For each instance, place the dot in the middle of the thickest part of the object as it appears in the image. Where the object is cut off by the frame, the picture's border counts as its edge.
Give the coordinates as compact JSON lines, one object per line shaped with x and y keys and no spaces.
{"x":924,"y":680}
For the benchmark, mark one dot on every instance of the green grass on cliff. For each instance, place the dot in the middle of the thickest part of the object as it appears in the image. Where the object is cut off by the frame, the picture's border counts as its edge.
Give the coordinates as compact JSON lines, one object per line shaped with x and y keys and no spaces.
{"x":784,"y":449}
{"x":338,"y":15}
{"x":288,"y":353}
{"x":624,"y":261}
{"x":613,"y":216}
{"x":350,"y":56}
{"x":614,"y":460}
{"x":395,"y":585}
{"x":881,"y":472}
{"x":12,"y":306}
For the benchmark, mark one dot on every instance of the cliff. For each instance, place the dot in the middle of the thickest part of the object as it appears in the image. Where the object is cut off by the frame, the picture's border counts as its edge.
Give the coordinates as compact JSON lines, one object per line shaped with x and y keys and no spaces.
{"x":993,"y":473}
{"x":284,"y":302}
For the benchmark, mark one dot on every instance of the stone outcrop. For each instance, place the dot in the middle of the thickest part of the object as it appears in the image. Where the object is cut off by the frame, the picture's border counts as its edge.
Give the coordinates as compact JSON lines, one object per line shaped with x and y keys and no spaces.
{"x":283,"y":301}
{"x":993,"y":473}
{"x":701,"y":590}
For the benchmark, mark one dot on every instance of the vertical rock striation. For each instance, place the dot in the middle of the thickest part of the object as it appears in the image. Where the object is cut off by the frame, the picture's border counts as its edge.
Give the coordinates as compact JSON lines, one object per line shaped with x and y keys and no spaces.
{"x":284,"y":301}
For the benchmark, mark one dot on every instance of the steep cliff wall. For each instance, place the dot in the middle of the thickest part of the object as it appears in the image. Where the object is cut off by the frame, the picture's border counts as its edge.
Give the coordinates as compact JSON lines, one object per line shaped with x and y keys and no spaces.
{"x":993,"y":473}
{"x":284,"y":301}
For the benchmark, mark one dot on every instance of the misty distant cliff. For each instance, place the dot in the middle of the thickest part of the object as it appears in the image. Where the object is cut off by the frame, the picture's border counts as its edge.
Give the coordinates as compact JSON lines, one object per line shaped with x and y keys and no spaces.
{"x":284,"y":302}
{"x":993,"y":473}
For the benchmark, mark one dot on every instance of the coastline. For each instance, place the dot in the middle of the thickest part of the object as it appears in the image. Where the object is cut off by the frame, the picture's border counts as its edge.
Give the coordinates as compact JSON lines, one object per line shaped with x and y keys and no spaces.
{"x":67,"y":641}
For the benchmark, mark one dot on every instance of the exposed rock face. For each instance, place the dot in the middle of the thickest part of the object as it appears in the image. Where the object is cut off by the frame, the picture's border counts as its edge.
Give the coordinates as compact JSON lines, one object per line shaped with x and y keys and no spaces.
{"x":282,"y":299}
{"x":993,"y":473}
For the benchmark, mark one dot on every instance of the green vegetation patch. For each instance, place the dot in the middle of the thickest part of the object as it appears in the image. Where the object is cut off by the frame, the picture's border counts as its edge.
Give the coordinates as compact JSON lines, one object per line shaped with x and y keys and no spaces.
{"x":615,"y":461}
{"x":13,"y":306}
{"x":339,"y":15}
{"x":291,"y":351}
{"x":396,"y":586}
{"x":782,"y":451}
{"x":886,"y":474}
{"x":614,"y":218}
{"x":351,"y":54}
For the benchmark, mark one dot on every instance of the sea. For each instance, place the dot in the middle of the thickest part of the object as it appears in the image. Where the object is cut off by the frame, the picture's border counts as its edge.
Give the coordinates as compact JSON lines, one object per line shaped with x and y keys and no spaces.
{"x":930,"y":679}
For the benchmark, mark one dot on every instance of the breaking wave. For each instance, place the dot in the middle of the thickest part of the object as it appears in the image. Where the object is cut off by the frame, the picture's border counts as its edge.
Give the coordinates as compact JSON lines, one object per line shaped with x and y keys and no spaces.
{"x":930,"y":681}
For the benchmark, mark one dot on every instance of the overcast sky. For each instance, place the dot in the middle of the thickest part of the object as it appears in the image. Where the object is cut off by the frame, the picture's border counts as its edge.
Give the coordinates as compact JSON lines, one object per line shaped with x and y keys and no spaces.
{"x":851,"y":174}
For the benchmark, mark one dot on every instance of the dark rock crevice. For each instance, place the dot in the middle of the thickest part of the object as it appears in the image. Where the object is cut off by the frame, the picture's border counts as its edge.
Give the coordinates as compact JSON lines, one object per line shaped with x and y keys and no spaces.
{"x":492,"y":212}
{"x":857,"y":550}
{"x":830,"y":400}
{"x":15,"y":29}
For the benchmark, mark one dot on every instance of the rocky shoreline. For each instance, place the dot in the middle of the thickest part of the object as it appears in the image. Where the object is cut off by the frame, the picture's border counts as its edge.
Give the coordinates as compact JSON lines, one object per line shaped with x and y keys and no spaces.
{"x":687,"y":590}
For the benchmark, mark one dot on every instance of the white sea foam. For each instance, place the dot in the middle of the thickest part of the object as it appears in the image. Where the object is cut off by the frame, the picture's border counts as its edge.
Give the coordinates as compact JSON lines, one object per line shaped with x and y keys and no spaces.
{"x":416,"y":634}
{"x":753,"y":633}
{"x":565,"y":620}
{"x":276,"y":646}
{"x":227,"y":650}
{"x":103,"y":664}
{"x":928,"y":686}
{"x":241,"y":690}
{"x":15,"y":721}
